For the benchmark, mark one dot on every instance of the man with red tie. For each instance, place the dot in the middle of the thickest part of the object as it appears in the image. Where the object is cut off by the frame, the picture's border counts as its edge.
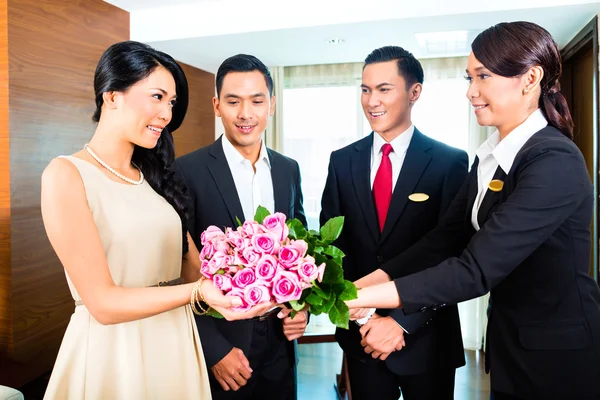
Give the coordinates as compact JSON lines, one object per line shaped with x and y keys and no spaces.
{"x":393,"y":186}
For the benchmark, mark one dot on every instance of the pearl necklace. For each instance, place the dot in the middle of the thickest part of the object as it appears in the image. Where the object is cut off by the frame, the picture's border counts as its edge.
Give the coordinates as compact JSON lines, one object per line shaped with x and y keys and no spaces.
{"x":108,"y":167}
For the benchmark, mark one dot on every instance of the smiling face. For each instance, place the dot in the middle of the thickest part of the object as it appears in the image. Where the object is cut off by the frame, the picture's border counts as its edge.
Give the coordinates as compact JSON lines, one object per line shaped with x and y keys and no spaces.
{"x":244,"y":106}
{"x":497,"y":100}
{"x":146,"y":107}
{"x":385,"y":99}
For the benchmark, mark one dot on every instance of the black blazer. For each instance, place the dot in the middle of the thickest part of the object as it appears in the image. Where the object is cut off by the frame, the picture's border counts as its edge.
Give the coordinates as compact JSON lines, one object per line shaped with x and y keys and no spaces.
{"x":533,"y":253}
{"x":432,"y":168}
{"x":216,"y":202}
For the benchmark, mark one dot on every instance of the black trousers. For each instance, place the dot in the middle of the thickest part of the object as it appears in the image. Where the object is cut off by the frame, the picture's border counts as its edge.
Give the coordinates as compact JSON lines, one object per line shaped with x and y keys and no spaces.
{"x":372,"y":380}
{"x":273,"y":366}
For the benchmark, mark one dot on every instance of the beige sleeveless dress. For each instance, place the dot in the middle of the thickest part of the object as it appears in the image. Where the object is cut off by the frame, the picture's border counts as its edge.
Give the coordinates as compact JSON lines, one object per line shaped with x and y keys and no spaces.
{"x":159,"y":357}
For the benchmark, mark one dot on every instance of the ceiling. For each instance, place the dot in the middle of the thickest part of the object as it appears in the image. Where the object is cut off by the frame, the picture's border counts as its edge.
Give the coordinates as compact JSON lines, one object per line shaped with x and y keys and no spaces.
{"x":202,"y":33}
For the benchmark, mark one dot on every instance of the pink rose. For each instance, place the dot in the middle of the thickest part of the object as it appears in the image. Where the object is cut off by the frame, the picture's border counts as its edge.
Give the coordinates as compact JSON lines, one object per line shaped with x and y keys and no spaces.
{"x":243,"y":278}
{"x":255,"y":294}
{"x":307,"y":270}
{"x":266,"y":268}
{"x":250,"y":257}
{"x":240,"y":294}
{"x":265,"y":243}
{"x":235,"y":239}
{"x":210,"y":233}
{"x":321,"y":269}
{"x":219,"y":260}
{"x":300,"y":245}
{"x":221,"y":245}
{"x":275,"y":224}
{"x":289,"y":256}
{"x":286,"y":286}
{"x":222,"y":282}
{"x":251,"y":228}
{"x":206,"y":270}
{"x":207,"y":251}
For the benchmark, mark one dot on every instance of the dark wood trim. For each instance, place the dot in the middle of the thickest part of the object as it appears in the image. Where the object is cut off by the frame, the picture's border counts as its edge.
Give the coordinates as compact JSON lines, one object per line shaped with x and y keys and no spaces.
{"x":310,"y":339}
{"x":589,"y":32}
{"x":588,"y":37}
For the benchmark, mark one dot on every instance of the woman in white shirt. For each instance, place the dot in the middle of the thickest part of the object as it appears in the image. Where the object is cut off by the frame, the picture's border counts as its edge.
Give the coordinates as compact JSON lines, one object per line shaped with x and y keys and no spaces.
{"x":518,"y":228}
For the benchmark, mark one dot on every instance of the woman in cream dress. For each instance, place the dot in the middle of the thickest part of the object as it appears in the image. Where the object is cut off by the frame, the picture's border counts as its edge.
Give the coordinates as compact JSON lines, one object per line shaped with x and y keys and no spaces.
{"x":116,"y":216}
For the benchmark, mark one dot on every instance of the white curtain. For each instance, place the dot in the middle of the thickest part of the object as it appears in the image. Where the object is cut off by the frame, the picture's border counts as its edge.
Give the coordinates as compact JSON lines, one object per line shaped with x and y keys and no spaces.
{"x":274,"y":131}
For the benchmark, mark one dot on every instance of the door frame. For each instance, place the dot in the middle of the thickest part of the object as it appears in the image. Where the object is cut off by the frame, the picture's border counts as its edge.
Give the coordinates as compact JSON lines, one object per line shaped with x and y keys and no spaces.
{"x":587,"y":35}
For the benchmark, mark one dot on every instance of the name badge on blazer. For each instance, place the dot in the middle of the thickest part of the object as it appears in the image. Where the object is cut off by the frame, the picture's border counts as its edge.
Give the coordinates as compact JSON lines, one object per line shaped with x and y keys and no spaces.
{"x":496,"y":185}
{"x":418,"y":197}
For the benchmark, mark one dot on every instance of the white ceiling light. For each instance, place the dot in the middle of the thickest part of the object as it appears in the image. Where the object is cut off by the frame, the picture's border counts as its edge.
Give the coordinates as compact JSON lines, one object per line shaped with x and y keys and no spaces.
{"x":450,"y":42}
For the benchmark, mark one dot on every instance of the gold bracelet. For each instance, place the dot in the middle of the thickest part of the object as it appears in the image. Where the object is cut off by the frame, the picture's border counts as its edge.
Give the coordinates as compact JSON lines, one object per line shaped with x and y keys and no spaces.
{"x":194,"y":300}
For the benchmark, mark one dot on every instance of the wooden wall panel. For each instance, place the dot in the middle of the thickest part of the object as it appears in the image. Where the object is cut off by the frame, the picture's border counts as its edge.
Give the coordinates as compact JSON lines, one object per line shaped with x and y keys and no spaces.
{"x":54,"y":46}
{"x":48,"y":53}
{"x":5,"y":313}
{"x":198,"y":128}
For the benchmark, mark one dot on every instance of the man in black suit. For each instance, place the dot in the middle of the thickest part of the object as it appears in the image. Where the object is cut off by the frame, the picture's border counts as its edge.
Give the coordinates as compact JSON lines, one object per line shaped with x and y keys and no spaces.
{"x":392,"y":187}
{"x":229,"y":180}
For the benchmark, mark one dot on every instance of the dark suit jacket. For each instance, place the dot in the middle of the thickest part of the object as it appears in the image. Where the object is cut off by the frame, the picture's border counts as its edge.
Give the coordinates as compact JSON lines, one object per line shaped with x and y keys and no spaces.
{"x":533,"y":253}
{"x":429,"y":167}
{"x":216,"y":202}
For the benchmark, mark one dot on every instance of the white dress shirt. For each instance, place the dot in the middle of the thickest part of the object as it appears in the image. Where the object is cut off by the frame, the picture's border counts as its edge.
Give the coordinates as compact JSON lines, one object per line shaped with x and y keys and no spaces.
{"x":493,"y":153}
{"x":253,"y":188}
{"x":400,"y":145}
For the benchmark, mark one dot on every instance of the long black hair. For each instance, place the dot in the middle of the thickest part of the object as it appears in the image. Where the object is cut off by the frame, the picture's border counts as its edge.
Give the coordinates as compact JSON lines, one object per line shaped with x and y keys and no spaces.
{"x":510,"y":49}
{"x":123,"y":65}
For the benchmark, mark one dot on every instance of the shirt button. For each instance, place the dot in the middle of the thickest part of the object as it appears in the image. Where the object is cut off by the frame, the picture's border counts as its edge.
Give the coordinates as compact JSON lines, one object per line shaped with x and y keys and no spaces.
{"x":379,"y":259}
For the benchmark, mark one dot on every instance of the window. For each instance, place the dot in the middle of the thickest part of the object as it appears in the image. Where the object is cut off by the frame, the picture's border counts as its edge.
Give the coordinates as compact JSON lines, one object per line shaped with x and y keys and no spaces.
{"x":442,"y":112}
{"x":317,"y":121}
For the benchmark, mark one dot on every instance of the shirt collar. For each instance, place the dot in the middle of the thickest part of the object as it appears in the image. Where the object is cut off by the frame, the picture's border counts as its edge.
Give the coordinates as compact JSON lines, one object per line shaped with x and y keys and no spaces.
{"x":235,"y":157}
{"x":399,"y":144}
{"x":506,"y":150}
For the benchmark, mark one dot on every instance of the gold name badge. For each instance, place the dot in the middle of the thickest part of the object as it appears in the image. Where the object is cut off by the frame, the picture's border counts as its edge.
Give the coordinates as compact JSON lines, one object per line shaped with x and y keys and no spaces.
{"x":496,"y":185}
{"x":418,"y":197}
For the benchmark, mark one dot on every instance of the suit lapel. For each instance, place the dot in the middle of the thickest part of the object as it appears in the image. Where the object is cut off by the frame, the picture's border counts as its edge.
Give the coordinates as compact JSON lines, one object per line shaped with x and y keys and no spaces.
{"x":361,"y":179}
{"x":416,"y":161}
{"x":281,"y":184}
{"x":491,"y":199}
{"x":221,"y":174}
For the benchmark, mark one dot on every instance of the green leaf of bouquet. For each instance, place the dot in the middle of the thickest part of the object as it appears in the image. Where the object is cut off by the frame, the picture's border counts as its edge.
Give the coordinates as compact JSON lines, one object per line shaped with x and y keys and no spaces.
{"x":349,"y":293}
{"x":297,"y":230}
{"x":322,"y":292}
{"x":312,"y":232}
{"x":238,"y":221}
{"x":339,"y":314}
{"x":296,"y":305}
{"x":220,"y":272}
{"x":332,"y":229}
{"x":319,"y":258}
{"x":315,"y":310}
{"x":314,"y":299}
{"x":305,"y":294}
{"x":333,"y":272}
{"x":260,"y":214}
{"x":318,"y":250}
{"x":328,"y":303}
{"x":214,"y":313}
{"x":334,"y":252}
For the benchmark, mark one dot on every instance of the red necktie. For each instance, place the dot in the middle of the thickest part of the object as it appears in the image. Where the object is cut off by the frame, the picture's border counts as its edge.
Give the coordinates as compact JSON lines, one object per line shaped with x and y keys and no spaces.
{"x":382,"y":186}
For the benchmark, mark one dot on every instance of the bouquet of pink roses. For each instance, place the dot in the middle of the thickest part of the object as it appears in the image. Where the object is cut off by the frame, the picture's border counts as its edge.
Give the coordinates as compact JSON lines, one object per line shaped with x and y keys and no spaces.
{"x":274,"y":259}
